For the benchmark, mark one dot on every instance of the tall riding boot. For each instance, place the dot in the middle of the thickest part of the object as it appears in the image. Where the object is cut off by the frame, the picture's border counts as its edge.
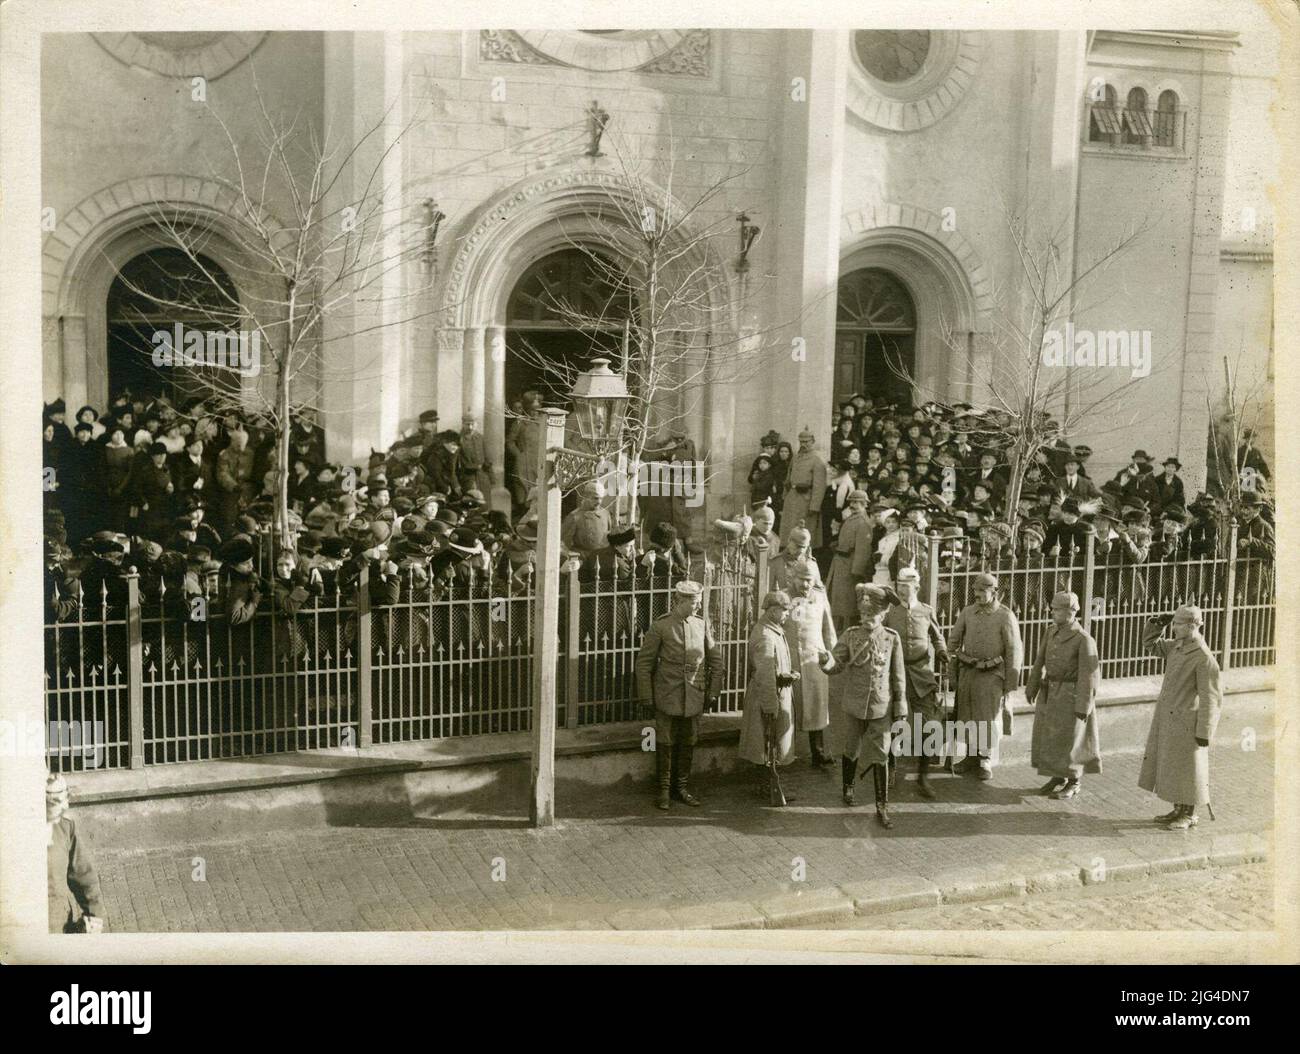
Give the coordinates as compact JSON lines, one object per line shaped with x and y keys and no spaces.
{"x":891,"y":766}
{"x":848,"y":774}
{"x":663,"y":774}
{"x":682,"y":756}
{"x":923,"y":787}
{"x":881,"y":777}
{"x":817,"y":746}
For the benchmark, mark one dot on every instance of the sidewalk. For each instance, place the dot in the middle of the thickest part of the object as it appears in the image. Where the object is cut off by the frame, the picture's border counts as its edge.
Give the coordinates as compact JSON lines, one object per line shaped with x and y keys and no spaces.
{"x":615,"y":861}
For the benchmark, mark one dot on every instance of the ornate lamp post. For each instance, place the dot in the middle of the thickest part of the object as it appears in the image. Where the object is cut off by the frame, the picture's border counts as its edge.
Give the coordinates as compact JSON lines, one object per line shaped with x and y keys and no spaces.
{"x":600,"y":401}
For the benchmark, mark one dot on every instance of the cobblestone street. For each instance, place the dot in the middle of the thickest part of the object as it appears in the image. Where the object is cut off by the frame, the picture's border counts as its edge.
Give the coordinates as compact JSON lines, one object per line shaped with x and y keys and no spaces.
{"x":621,"y":863}
{"x":1230,"y":898}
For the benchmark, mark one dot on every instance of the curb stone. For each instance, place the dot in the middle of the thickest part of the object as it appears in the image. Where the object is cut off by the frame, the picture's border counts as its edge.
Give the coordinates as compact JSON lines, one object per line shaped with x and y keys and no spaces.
{"x":964,"y":884}
{"x":805,"y":907}
{"x":896,"y":893}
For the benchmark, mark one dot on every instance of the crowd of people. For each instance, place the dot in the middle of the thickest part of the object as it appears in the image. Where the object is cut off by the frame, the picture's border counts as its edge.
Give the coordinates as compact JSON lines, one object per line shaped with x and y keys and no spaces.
{"x":945,"y":470}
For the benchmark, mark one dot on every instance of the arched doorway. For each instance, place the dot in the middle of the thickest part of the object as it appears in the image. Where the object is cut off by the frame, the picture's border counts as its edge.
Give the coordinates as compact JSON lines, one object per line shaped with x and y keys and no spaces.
{"x":875,"y":338}
{"x":567,"y":308}
{"x":158,"y":291}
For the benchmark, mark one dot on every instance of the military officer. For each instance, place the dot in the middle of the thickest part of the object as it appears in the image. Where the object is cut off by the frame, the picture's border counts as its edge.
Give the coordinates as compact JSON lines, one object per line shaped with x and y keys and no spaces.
{"x":798,"y":548}
{"x":1063,"y":685}
{"x":811,"y":634}
{"x":924,"y":654}
{"x":987,"y":646}
{"x":1176,"y":765}
{"x":805,"y":489}
{"x":852,"y":562}
{"x":585,"y":531}
{"x":872,"y":693}
{"x":677,"y":673}
{"x":768,"y":721}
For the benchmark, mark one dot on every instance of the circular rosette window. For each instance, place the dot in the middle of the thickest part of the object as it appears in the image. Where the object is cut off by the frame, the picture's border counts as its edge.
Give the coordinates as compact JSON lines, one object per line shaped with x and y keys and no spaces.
{"x":904,"y":80}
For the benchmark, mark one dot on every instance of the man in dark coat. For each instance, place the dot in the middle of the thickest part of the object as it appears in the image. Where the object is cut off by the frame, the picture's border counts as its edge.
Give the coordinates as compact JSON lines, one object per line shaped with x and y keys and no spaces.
{"x":82,"y":481}
{"x":677,"y":672}
{"x":1167,"y":489}
{"x":442,"y":465}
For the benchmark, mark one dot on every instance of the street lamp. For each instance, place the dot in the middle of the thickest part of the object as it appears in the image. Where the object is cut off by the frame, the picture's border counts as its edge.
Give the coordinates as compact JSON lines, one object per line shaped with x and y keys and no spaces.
{"x":600,"y":399}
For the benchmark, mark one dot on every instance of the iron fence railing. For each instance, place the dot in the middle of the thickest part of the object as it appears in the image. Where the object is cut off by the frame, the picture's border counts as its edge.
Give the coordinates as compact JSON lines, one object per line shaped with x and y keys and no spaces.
{"x":134,"y":680}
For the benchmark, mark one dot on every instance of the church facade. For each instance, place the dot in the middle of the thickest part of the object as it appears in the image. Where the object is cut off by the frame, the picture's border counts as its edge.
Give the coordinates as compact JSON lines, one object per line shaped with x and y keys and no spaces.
{"x":863,"y":184}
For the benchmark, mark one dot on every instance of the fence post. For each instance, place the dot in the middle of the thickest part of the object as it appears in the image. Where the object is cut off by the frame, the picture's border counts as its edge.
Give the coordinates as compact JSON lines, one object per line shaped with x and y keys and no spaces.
{"x":364,"y":731}
{"x":134,"y":671}
{"x":571,"y":653}
{"x":1089,"y":569}
{"x":760,"y":582}
{"x":1225,"y":662}
{"x":932,"y":573}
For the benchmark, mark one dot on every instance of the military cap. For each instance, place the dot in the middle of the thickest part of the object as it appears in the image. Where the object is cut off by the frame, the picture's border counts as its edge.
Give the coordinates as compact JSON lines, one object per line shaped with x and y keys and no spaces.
{"x":860,"y":496}
{"x":428,"y":416}
{"x":1189,"y":613}
{"x":878,"y":596}
{"x":590,"y":489}
{"x":687,"y":588}
{"x":806,"y":433}
{"x":801,"y":536}
{"x":1065,"y":598}
{"x":774,"y":598}
{"x":622,"y":535}
{"x":984,"y":580}
{"x":908,"y":574}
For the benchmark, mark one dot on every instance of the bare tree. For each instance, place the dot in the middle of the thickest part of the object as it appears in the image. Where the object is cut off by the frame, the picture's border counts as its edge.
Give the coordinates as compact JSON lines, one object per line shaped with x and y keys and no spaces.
{"x":1235,"y":465}
{"x":1038,"y":401}
{"x":321,"y":228}
{"x":660,"y":303}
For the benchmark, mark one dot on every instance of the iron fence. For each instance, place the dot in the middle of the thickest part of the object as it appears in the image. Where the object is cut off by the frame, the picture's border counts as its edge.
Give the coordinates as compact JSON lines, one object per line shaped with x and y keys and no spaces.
{"x":136,"y":680}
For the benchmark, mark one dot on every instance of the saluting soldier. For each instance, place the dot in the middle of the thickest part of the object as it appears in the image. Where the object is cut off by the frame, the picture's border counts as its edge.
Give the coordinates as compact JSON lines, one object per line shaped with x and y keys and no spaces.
{"x":1063,"y":684}
{"x":924,"y":654}
{"x":852,"y":562}
{"x":872,"y":693}
{"x":1176,"y":765}
{"x":676,"y":673}
{"x":987,"y":646}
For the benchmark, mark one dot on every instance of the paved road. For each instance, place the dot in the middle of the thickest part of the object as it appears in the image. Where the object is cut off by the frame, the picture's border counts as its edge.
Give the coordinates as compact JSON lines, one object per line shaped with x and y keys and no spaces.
{"x":1230,"y":898}
{"x":622,"y":855}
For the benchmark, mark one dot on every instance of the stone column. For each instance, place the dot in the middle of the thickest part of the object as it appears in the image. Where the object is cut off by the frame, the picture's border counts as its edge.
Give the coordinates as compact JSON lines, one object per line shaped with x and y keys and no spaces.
{"x":494,"y":413}
{"x":474,"y":373}
{"x":363,"y":338}
{"x":808,"y":217}
{"x":79,"y":387}
{"x":449,"y":363}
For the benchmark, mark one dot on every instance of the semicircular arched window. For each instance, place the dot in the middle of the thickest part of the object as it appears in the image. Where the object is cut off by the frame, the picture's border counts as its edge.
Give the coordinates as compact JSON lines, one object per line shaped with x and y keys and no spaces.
{"x":876,"y":300}
{"x":574,"y":289}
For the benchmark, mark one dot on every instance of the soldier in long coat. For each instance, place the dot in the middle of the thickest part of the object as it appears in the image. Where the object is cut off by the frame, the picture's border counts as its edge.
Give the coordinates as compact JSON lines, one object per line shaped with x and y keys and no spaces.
{"x":1176,"y":765}
{"x":811,"y":634}
{"x":768,"y":720}
{"x":924,"y":654}
{"x":75,"y":903}
{"x":988,"y":650}
{"x":852,"y":562}
{"x":867,"y":663}
{"x":1063,"y":685}
{"x":805,"y":489}
{"x":678,"y":672}
{"x":798,"y":549}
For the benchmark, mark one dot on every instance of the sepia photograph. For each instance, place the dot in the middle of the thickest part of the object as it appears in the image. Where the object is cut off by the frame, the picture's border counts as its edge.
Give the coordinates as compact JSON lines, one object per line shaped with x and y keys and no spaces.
{"x":819,"y":473}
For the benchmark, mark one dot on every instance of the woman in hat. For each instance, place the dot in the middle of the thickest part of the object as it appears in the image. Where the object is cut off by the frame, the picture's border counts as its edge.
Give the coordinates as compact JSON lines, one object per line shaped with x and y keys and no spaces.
{"x":1167,"y":488}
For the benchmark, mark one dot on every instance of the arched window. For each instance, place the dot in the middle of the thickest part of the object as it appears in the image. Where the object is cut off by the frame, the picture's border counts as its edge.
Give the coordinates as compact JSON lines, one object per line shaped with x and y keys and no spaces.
{"x":875,"y":337}
{"x":1137,"y":121}
{"x":166,"y":291}
{"x":1104,"y":125}
{"x":1167,"y":119}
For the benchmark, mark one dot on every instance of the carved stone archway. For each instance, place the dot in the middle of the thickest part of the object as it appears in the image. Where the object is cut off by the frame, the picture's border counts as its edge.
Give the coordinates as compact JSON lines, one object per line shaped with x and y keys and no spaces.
{"x":81,"y":255}
{"x":943,"y":274}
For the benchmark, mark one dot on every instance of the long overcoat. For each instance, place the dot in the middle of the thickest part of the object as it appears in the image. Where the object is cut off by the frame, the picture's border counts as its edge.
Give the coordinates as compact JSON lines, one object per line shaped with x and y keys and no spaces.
{"x":805,"y":487}
{"x":676,"y":666}
{"x":1174,"y":767}
{"x":985,"y":633}
{"x":769,"y":655}
{"x":811,"y":634}
{"x":1063,"y":683}
{"x":850,"y":565}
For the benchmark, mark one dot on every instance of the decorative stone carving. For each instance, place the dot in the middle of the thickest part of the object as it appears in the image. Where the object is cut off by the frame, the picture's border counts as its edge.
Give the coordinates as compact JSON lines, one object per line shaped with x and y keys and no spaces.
{"x":208,"y":55}
{"x":669,"y":51}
